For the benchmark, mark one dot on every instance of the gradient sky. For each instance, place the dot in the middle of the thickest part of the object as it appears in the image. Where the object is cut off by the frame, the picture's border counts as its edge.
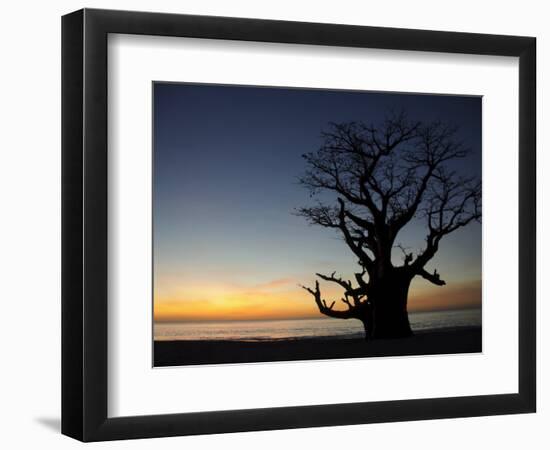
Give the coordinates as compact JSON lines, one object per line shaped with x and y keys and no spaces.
{"x":226,"y":164}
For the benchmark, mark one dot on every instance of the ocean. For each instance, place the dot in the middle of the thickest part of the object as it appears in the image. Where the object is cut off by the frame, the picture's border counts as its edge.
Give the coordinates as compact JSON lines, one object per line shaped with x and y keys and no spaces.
{"x":268,"y":330}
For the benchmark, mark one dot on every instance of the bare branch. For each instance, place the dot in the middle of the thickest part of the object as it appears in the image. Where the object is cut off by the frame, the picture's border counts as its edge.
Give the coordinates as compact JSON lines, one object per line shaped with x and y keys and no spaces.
{"x":452,"y":203}
{"x":347,"y":302}
{"x":407,"y":256}
{"x":328,"y":310}
{"x":432,"y":278}
{"x":323,"y":215}
{"x":345,"y":284}
{"x":355,"y":247}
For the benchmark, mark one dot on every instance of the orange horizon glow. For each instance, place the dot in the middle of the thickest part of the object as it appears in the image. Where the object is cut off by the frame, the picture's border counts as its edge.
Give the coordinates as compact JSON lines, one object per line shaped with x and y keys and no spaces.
{"x":284,"y":299}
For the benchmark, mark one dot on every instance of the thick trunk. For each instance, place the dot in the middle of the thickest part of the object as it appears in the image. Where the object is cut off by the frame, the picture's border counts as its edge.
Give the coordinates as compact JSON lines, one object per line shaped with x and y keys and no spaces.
{"x":387,"y":316}
{"x":368,"y":328}
{"x":391,"y":321}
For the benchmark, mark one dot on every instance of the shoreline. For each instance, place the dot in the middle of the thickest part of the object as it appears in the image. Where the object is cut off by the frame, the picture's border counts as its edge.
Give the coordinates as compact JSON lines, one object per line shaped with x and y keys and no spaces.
{"x":425,"y":342}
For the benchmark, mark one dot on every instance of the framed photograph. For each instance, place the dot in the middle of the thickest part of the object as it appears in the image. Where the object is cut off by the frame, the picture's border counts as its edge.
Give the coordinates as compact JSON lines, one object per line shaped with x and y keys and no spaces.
{"x":273,"y":224}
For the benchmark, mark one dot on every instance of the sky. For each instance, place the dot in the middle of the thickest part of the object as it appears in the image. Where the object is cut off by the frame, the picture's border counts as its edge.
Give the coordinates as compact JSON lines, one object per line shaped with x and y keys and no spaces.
{"x":226,"y":244}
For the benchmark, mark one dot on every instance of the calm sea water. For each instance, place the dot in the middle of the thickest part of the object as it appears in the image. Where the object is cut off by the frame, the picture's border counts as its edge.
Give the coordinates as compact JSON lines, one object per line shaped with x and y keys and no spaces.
{"x":260,"y":330}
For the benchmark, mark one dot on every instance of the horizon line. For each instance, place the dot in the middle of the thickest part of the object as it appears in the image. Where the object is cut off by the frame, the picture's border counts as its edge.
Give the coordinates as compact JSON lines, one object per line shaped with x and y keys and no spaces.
{"x":320,"y":317}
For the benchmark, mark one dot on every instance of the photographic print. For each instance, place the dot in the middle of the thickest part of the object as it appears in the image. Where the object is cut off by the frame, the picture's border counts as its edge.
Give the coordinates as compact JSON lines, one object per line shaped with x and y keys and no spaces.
{"x":298,"y":224}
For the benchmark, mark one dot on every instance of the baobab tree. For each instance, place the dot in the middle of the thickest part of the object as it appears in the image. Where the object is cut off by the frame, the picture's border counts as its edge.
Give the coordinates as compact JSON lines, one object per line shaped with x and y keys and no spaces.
{"x":381,"y":178}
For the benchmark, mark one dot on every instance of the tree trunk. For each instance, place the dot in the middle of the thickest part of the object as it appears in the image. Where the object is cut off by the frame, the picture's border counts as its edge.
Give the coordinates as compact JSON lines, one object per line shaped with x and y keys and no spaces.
{"x":391,"y":321}
{"x":390,"y":318}
{"x":367,"y":325}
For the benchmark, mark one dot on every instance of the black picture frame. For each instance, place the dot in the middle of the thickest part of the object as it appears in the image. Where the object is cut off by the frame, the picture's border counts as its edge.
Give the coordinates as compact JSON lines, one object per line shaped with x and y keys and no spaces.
{"x":84,"y":224}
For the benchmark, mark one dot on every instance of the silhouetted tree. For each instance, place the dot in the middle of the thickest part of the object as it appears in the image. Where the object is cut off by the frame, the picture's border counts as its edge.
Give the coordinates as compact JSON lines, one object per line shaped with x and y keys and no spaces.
{"x":383,"y":177}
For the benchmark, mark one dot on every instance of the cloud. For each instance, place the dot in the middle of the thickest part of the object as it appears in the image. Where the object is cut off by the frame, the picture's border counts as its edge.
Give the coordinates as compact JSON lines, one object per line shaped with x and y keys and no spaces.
{"x":277,"y":283}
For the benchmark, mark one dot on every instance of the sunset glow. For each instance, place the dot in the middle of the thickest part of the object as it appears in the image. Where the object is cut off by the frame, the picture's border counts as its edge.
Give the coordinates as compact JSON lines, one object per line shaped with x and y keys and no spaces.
{"x":283,"y":298}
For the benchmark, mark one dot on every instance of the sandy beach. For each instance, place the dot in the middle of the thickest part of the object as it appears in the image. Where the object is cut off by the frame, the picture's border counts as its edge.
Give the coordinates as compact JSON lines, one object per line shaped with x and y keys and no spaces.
{"x":445,"y":341}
